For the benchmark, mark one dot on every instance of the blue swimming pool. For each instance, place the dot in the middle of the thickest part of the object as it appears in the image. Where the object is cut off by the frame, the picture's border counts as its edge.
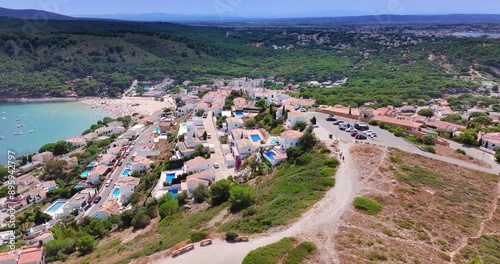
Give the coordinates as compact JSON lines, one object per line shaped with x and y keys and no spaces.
{"x":270,"y":155}
{"x":79,"y":186}
{"x":170,"y":177}
{"x":116,"y":192}
{"x":255,"y":138}
{"x":157,"y":130}
{"x":126,"y":172}
{"x":85,"y":174}
{"x":239,"y":114}
{"x":173,"y":192}
{"x":55,"y":206}
{"x":274,"y":140}
{"x":92,"y":164}
{"x":96,"y":216}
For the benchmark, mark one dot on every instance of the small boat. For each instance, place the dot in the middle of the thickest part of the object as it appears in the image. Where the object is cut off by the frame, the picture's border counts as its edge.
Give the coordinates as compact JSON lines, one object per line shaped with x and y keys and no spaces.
{"x":31,"y":131}
{"x":18,"y":119}
{"x":18,"y":133}
{"x":20,"y":125}
{"x":23,"y":115}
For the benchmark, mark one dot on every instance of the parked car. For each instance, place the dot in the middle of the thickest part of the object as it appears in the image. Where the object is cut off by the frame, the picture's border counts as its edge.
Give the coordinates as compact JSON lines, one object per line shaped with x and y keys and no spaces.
{"x":372,"y":135}
{"x":97,"y":199}
{"x":353,"y":134}
{"x":119,"y":163}
{"x":331,"y":118}
{"x":338,"y":122}
{"x":351,"y":129}
{"x":216,"y":165}
{"x":303,"y":110}
{"x":360,"y":137}
{"x":342,"y":127}
{"x":361,"y":126}
{"x":205,"y":115}
{"x":108,"y":182}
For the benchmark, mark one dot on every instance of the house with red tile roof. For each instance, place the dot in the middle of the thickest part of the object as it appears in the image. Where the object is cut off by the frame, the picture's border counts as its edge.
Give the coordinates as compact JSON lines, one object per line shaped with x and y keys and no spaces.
{"x":31,"y":255}
{"x":198,"y":164}
{"x":294,"y":117}
{"x":290,"y":138}
{"x":109,"y":208}
{"x":96,"y":173}
{"x":76,"y":141}
{"x":413,"y":126}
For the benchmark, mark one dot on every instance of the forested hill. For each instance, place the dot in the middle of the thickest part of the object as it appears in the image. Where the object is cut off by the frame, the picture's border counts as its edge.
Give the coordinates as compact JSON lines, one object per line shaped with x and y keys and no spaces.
{"x":30,"y":14}
{"x":57,"y":56}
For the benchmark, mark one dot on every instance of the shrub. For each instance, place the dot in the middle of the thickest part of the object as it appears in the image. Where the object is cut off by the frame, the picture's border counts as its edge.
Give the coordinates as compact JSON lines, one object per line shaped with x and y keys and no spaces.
{"x":219,"y":192}
{"x":461,"y":151}
{"x":429,"y":149}
{"x":429,"y":139}
{"x":168,"y":208}
{"x":367,"y":206}
{"x":249,"y":211}
{"x":331,"y":162}
{"x":426,"y":112}
{"x":200,"y":193}
{"x":86,"y":244}
{"x":231,"y":236}
{"x":304,"y":160}
{"x":373,"y":256}
{"x":373,"y":122}
{"x":325,"y":150}
{"x":241,"y":197}
{"x":325,"y":171}
{"x":197,"y":236}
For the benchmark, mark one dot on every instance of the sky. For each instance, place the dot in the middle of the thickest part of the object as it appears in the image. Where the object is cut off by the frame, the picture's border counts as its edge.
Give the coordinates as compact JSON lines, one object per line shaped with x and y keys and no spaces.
{"x":259,"y":8}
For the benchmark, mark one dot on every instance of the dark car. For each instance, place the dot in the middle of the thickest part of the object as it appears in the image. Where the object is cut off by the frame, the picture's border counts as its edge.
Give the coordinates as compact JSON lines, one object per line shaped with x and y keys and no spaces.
{"x":119,"y":163}
{"x":338,"y":122}
{"x":360,"y":137}
{"x":97,"y":199}
{"x":353,"y":134}
{"x":331,"y":118}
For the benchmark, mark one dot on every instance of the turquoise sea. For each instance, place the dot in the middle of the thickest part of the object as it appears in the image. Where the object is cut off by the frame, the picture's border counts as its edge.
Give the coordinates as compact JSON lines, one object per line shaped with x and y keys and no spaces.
{"x":48,"y":122}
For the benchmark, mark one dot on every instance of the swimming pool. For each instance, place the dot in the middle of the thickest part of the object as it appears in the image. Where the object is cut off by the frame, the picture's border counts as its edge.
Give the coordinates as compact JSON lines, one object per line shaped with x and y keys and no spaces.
{"x":173,"y":192}
{"x":55,"y":206}
{"x":79,"y":186}
{"x":158,"y":129}
{"x":270,"y":155}
{"x":116,"y":192}
{"x":274,"y":140}
{"x":92,"y":164}
{"x":126,"y":172}
{"x":239,"y":114}
{"x":85,"y":174}
{"x":255,"y":138}
{"x":96,"y":216}
{"x":170,"y":177}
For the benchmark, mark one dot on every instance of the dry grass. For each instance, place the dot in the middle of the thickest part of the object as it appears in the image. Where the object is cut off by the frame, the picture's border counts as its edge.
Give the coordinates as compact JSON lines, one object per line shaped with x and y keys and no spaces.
{"x":432,"y":208}
{"x":448,"y":152}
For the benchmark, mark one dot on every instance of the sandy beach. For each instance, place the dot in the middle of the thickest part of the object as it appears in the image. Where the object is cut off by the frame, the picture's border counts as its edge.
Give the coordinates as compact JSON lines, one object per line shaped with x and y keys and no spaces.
{"x":129,"y":105}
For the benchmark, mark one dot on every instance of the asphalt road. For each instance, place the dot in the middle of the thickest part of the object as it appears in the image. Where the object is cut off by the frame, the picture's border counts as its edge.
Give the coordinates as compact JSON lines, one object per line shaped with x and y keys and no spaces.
{"x":385,"y":138}
{"x":104,"y":192}
{"x":223,"y":171}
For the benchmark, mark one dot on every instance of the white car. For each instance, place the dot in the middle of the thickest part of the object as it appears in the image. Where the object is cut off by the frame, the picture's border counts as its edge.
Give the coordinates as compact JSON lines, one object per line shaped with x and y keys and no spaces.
{"x":108,"y":182}
{"x":216,"y":165}
{"x":371,"y":134}
{"x":369,"y":131}
{"x":351,"y":130}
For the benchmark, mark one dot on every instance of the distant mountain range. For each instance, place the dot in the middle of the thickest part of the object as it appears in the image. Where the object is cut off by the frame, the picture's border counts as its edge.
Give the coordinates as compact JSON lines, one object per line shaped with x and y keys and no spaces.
{"x":31,"y":14}
{"x":334,"y":19}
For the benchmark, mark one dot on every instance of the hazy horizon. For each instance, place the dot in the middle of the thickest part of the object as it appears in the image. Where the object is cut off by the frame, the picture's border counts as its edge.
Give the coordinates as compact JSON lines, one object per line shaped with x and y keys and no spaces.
{"x":257,"y":8}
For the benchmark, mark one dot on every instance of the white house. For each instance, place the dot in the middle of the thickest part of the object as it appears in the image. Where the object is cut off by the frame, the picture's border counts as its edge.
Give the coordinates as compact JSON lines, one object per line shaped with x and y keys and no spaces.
{"x":104,"y":131}
{"x":491,"y":140}
{"x":96,"y":173}
{"x":114,"y":151}
{"x":290,"y":138}
{"x":294,"y":117}
{"x":198,"y":164}
{"x":193,"y":183}
{"x":233,"y":123}
{"x":43,"y":157}
{"x":107,"y":159}
{"x":90,"y":136}
{"x":216,"y":108}
{"x":76,"y":141}
{"x":208,"y":175}
{"x":140,"y":163}
{"x":118,"y":130}
{"x":109,"y":208}
{"x":245,"y":147}
{"x":127,"y":187}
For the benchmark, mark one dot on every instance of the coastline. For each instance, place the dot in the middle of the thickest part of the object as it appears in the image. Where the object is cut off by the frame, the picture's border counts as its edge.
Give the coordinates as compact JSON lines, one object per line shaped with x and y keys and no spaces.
{"x":37,"y":100}
{"x":116,"y":106}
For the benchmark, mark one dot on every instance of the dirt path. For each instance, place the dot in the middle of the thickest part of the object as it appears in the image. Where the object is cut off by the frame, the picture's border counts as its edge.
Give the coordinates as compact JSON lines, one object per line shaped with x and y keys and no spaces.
{"x":481,"y":227}
{"x":318,"y":225}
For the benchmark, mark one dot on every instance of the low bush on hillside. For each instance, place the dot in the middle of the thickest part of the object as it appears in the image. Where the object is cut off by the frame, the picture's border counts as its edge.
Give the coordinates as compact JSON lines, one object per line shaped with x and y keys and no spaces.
{"x":460,"y":151}
{"x":367,"y":206}
{"x":283,"y":251}
{"x":197,"y":236}
{"x":429,"y":149}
